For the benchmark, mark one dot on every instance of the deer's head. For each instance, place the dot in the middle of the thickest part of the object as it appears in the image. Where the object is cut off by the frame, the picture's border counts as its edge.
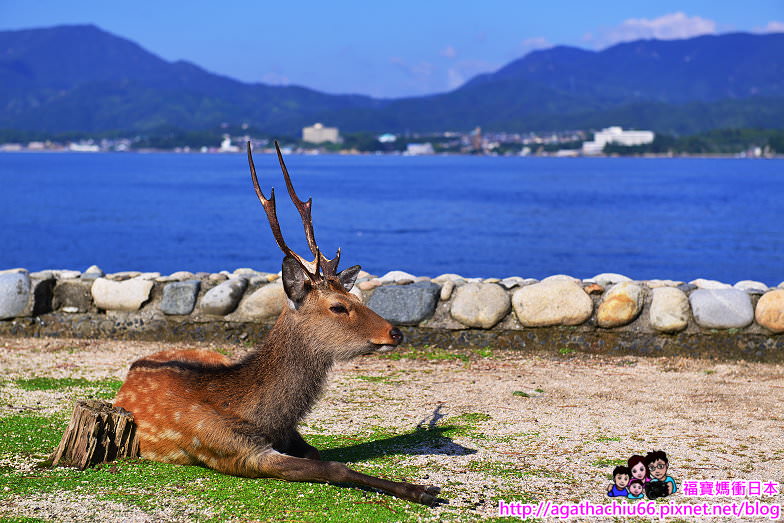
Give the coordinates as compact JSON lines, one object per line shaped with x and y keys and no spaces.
{"x":320,"y":304}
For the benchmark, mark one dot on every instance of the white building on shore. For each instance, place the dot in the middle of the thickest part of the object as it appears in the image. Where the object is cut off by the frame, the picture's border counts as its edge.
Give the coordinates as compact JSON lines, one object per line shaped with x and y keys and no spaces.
{"x":317,"y":133}
{"x":616,"y":135}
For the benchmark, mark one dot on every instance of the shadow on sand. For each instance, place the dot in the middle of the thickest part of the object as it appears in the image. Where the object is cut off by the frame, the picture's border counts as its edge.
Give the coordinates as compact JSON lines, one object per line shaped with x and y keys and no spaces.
{"x":426,"y":439}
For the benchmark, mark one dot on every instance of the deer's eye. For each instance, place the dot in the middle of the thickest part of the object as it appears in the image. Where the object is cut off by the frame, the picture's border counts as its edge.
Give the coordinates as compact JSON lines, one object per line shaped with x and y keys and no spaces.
{"x":339,"y":309}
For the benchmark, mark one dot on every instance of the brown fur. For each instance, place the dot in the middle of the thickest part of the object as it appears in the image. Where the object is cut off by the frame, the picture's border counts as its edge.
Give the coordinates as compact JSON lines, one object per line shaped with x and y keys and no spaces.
{"x":198,"y":408}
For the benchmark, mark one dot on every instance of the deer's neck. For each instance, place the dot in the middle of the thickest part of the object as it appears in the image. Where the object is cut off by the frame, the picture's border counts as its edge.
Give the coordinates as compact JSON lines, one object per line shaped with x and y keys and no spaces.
{"x":287,"y":374}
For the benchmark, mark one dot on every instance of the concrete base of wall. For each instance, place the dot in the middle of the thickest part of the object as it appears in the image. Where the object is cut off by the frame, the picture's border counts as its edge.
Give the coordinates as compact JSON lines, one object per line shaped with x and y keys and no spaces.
{"x":711,"y":344}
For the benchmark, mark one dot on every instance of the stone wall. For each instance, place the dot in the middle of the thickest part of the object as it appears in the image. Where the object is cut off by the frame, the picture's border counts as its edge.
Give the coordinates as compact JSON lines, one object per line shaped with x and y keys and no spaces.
{"x":608,"y":313}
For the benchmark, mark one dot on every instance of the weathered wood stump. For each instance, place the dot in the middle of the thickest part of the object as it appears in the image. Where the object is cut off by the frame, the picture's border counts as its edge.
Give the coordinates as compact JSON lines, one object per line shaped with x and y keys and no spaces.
{"x":97,"y":433}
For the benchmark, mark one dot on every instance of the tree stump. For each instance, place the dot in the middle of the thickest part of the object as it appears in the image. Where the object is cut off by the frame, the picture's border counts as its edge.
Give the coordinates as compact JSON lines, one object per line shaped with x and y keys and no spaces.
{"x":97,"y":433}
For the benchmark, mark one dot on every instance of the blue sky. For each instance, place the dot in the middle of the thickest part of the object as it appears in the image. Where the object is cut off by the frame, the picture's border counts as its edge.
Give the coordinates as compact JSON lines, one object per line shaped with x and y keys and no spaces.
{"x":384,"y":49}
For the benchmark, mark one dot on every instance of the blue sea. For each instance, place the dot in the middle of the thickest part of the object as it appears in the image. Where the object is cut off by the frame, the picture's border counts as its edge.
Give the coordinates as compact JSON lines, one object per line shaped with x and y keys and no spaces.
{"x":477,"y":216}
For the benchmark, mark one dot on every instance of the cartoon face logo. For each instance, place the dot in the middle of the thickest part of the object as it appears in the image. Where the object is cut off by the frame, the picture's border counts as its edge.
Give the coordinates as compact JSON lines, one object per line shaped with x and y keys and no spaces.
{"x":635,"y":488}
{"x":621,"y":480}
{"x":658,"y":469}
{"x":638,"y":471}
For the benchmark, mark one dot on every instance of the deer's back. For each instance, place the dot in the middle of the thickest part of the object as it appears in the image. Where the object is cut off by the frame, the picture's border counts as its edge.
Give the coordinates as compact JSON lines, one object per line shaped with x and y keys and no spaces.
{"x":172,"y":411}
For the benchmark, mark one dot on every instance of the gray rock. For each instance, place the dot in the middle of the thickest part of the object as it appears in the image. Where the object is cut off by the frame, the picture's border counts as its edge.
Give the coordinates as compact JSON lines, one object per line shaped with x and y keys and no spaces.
{"x":266,"y":303}
{"x":181,"y":275}
{"x":606,"y":279}
{"x":72,"y":296}
{"x":122,"y":275}
{"x":396,"y":276}
{"x":405,"y":304}
{"x":511,"y":282}
{"x":448,"y":277}
{"x":180,"y":297}
{"x":687,"y":287}
{"x":552,"y":302}
{"x":43,"y":275}
{"x":751,"y":286}
{"x":480,"y":305}
{"x":66,"y":274}
{"x":655,"y":284}
{"x":15,"y":293}
{"x":245,"y":271}
{"x":127,"y":295}
{"x":223,"y":298}
{"x":92,"y":273}
{"x":93,"y":269}
{"x":669,"y":309}
{"x":561,"y":277}
{"x":702,"y":283}
{"x":620,"y":305}
{"x":721,"y":308}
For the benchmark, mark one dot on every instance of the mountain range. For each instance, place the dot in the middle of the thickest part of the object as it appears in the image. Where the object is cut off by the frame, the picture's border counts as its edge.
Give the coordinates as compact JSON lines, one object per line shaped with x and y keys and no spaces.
{"x":81,"y":78}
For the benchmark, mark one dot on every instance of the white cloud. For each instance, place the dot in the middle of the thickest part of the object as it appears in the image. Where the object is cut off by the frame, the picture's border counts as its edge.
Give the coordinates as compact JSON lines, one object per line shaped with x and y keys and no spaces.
{"x":667,"y":27}
{"x":449,"y":52}
{"x":774,"y":26}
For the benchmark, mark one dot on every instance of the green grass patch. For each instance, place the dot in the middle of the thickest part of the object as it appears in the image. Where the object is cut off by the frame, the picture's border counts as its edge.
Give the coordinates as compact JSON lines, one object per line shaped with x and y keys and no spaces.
{"x":103,"y":389}
{"x":152,"y":486}
{"x":608,"y":462}
{"x":375,"y":379}
{"x":30,"y":435}
{"x":426,"y":352}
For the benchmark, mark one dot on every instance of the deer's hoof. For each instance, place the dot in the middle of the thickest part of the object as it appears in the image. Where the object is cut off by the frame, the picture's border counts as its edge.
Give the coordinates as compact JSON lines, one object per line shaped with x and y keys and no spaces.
{"x":428,"y":496}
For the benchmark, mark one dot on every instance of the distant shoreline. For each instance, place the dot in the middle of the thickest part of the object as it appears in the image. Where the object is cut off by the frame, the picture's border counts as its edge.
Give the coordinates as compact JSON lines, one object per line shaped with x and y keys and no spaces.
{"x":358,"y":153}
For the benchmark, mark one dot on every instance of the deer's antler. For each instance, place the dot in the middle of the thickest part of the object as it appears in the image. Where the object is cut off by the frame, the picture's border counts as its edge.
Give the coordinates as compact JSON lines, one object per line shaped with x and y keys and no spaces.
{"x":321,"y":265}
{"x":328,"y":266}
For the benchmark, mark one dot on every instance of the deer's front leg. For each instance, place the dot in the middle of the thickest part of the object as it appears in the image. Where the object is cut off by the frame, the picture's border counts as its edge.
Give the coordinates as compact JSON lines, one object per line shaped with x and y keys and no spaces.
{"x":276,"y":465}
{"x":297,"y":446}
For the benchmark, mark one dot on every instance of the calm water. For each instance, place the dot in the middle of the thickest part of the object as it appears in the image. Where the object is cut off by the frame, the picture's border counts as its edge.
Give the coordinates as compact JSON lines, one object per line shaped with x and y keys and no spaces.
{"x":646,"y":218}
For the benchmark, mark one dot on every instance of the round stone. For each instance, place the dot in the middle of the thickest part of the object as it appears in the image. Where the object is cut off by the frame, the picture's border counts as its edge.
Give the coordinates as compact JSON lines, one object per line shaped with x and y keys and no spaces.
{"x":15,"y":292}
{"x":180,"y":297}
{"x":606,"y":279}
{"x":669,"y":309}
{"x":702,"y":283}
{"x":620,"y":305}
{"x":480,"y":305}
{"x":266,"y":303}
{"x":126,"y":295}
{"x":223,"y":298}
{"x":553,"y":302}
{"x":721,"y":308}
{"x":446,"y":290}
{"x":770,"y":311}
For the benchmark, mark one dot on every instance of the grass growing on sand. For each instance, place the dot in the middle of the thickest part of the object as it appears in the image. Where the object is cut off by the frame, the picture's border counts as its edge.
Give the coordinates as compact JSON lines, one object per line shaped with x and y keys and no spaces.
{"x":27,"y":438}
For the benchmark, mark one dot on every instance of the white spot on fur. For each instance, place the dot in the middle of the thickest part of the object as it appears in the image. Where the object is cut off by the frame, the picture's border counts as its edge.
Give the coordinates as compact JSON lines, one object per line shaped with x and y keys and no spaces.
{"x":170,"y":434}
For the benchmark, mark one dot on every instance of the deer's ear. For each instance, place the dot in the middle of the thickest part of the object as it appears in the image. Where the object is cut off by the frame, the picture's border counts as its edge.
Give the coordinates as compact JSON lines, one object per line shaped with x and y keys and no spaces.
{"x":348,"y":276}
{"x":295,"y":281}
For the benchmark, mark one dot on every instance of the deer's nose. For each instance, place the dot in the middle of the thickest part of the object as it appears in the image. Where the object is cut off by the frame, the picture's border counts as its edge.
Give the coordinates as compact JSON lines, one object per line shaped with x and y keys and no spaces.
{"x":396,"y":335}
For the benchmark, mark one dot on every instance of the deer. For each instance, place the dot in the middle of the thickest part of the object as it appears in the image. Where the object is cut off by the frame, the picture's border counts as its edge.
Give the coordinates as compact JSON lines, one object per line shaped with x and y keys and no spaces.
{"x":198,"y":407}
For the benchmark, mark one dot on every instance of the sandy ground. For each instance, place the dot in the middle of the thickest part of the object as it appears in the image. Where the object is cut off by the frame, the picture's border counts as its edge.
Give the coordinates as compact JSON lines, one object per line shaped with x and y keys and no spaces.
{"x":715,"y":420}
